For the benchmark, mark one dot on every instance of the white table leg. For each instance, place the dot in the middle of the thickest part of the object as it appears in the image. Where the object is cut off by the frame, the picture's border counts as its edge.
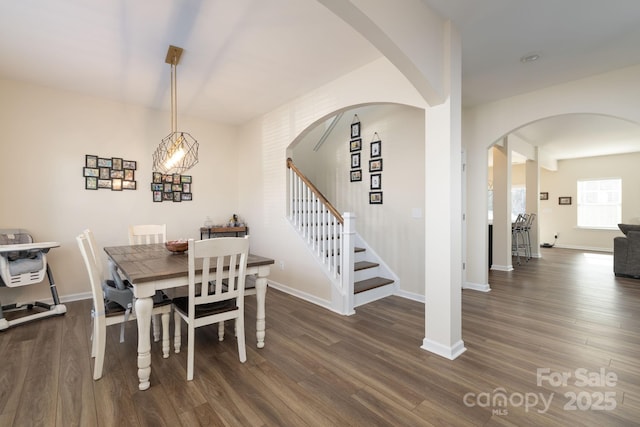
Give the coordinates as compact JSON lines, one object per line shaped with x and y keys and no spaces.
{"x":144,"y":306}
{"x":261,"y":294}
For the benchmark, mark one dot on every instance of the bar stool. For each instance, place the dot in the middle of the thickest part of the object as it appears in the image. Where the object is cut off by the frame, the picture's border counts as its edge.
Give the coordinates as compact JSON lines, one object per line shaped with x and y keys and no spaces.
{"x":518,"y":237}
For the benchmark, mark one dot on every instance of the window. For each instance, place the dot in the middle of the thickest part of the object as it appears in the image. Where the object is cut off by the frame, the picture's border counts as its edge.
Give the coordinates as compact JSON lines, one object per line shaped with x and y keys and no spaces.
{"x":518,"y":202}
{"x":599,"y":203}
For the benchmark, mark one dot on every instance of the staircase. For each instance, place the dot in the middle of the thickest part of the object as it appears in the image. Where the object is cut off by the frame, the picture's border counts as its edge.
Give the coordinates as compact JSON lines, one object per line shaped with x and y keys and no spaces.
{"x":332,"y":239}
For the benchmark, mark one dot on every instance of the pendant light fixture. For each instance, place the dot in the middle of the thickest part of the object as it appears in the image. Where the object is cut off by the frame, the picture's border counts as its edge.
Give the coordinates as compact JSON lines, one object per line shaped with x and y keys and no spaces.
{"x":178,"y":151}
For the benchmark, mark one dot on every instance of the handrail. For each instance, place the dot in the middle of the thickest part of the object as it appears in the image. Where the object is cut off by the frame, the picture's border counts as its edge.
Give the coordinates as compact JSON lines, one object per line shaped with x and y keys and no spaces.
{"x":315,"y":191}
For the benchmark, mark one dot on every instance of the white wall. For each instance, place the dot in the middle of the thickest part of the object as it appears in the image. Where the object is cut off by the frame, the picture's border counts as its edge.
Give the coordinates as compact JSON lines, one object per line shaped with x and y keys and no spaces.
{"x":615,"y":94}
{"x":46,"y":135}
{"x":563,"y":182}
{"x":263,"y":180}
{"x":391,"y":228}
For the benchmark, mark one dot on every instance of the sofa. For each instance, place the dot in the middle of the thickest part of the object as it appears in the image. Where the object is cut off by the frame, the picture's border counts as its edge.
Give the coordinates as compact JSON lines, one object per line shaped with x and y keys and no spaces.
{"x":626,"y":251}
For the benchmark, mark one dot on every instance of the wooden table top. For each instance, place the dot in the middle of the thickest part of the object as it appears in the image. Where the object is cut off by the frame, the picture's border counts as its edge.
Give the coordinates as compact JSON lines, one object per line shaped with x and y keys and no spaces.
{"x":145,"y":263}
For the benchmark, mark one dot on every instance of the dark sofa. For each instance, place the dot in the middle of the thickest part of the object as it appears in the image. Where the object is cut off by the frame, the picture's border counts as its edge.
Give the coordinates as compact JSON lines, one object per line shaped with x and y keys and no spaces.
{"x":626,"y":251}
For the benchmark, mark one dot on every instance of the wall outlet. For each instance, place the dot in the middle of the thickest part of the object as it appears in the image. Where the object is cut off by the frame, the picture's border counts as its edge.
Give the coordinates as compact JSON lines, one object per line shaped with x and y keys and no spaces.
{"x":281,"y":265}
{"x":556,"y":235}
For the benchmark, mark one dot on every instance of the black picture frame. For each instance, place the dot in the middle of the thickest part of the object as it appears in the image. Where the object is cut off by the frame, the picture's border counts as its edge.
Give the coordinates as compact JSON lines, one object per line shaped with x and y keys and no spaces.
{"x":116,"y":163}
{"x":91,"y":161}
{"x":130,"y":164}
{"x":157,"y":178}
{"x":128,"y":185}
{"x":375,"y":197}
{"x":104,"y":162}
{"x":355,"y":130}
{"x":157,"y":196}
{"x":90,"y":172}
{"x":116,"y":184}
{"x":565,"y":200}
{"x":544,"y":196}
{"x":355,"y":145}
{"x":375,"y":165}
{"x":376,"y":181}
{"x":356,"y":175}
{"x":91,"y":183}
{"x":376,"y":149}
{"x":355,"y":160}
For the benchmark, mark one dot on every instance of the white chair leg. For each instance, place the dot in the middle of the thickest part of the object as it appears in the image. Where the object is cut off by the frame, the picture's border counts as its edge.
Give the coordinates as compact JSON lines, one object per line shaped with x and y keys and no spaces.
{"x":156,"y":328}
{"x":190,"y":352}
{"x":93,"y":338}
{"x":99,"y":341}
{"x":242,"y":349}
{"x":165,"y":335}
{"x":177,"y":333}
{"x":220,"y":331}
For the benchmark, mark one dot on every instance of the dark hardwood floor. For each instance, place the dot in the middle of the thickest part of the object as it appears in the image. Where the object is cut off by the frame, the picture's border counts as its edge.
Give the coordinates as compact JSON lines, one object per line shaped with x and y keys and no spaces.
{"x":563,"y":313}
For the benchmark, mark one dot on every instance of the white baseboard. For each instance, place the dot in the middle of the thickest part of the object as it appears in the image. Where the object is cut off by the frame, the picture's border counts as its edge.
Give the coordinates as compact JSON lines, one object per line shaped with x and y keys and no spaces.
{"x":302,"y":295}
{"x":410,"y":295}
{"x":584,"y":248}
{"x":502,"y":267}
{"x":450,"y":353}
{"x":477,"y":287}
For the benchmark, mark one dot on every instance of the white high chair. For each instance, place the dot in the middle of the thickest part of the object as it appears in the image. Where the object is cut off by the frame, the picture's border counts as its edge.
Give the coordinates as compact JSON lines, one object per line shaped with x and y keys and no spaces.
{"x":22,"y":263}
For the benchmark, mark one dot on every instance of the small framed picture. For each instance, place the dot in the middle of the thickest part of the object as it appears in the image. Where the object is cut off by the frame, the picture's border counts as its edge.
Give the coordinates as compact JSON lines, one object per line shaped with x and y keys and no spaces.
{"x":564,"y":200}
{"x":104,"y":183}
{"x":91,"y":183}
{"x":117,"y":174}
{"x":167,"y":187}
{"x":176,"y":179}
{"x":116,"y":184}
{"x":177,"y":196}
{"x":544,"y":196}
{"x":356,"y":175}
{"x":91,"y":161}
{"x":167,"y":178}
{"x":116,"y":163}
{"x":129,"y":174}
{"x":176,"y":187}
{"x":375,"y":165}
{"x":187,"y":197}
{"x":185,"y":179}
{"x":167,"y":196}
{"x":376,"y":181}
{"x":375,"y":197}
{"x":129,"y":164}
{"x":104,"y":163}
{"x":87,"y":171}
{"x":105,"y":173}
{"x":157,"y":178}
{"x":376,"y":148}
{"x":157,"y":187}
{"x":157,"y":196}
{"x":355,"y":130}
{"x":186,"y":188}
{"x":355,"y":160}
{"x":128,"y":185}
{"x":355,"y":145}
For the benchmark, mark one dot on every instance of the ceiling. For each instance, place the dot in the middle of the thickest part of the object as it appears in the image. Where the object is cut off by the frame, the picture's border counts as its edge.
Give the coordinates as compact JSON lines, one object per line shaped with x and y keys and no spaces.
{"x":243,"y":58}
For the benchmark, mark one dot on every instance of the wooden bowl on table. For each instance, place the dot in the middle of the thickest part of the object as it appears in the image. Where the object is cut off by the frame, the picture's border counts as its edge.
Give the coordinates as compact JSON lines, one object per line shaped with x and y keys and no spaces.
{"x":177,"y":246}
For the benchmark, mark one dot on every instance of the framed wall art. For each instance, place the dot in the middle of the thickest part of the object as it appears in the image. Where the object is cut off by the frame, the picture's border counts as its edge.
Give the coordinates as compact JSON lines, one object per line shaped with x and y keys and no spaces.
{"x":171,"y":187}
{"x":355,"y":145}
{"x":355,"y":127}
{"x":375,"y":197}
{"x":355,"y":160}
{"x":110,"y":173}
{"x":375,"y":165}
{"x":544,"y":196}
{"x":376,"y":181}
{"x":356,"y":175}
{"x":564,"y":200}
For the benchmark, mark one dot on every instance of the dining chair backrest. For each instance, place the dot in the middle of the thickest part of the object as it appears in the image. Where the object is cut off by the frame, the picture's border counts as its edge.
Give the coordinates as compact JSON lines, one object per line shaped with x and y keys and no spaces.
{"x":95,"y":278}
{"x":225,"y":256}
{"x":147,"y":233}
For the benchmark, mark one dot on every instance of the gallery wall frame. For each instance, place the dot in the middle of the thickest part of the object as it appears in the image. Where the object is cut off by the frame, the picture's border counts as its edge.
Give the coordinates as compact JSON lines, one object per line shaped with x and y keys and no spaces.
{"x":544,"y":195}
{"x":171,"y":187}
{"x":565,"y":200}
{"x":356,"y":175}
{"x":109,"y":173}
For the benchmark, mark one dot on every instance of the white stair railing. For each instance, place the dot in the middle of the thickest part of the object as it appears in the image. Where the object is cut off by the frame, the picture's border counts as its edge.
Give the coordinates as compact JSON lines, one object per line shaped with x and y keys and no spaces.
{"x":323,"y":229}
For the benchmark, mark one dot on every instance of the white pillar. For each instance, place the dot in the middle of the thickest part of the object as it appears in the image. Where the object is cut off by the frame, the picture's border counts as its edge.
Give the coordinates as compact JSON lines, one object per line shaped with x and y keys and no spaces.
{"x":502,"y":208}
{"x":443,"y":215}
{"x":532,"y":172}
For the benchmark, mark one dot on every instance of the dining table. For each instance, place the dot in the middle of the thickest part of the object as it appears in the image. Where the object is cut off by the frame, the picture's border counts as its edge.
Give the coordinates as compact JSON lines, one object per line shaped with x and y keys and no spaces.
{"x":153,"y":267}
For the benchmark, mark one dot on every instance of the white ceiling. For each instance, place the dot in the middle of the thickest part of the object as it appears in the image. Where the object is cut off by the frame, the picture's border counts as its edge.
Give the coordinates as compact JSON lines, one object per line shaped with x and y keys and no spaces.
{"x":244,"y":58}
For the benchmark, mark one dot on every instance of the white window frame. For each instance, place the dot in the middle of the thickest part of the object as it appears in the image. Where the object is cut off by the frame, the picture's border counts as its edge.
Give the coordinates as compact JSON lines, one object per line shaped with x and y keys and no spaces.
{"x":599,"y":203}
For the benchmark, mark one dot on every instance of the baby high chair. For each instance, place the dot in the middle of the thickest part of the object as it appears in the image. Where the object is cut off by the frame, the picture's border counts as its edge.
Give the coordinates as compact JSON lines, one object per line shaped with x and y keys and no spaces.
{"x":22,"y":263}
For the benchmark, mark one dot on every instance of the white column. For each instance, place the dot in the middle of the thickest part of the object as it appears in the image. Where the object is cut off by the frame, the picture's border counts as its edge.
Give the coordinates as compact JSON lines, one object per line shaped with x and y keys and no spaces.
{"x":502,"y":208}
{"x":533,"y":202}
{"x":443,"y":214}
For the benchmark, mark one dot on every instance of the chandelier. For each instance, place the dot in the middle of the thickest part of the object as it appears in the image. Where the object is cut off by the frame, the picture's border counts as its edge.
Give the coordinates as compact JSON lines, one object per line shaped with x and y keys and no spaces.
{"x":178,"y":151}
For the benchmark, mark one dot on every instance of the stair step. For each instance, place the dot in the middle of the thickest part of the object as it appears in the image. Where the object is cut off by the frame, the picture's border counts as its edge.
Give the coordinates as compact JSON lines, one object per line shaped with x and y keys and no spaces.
{"x":357,"y":249}
{"x":363,"y":265}
{"x":368,"y":284}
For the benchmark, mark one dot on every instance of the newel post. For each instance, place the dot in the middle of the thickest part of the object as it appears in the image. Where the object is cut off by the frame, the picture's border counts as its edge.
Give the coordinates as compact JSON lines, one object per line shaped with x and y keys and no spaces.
{"x":347,"y":260}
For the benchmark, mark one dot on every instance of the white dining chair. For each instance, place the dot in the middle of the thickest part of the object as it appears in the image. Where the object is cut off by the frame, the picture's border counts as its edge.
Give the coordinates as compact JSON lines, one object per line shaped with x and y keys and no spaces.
{"x":106,"y":313}
{"x":206,"y":305}
{"x":145,"y":234}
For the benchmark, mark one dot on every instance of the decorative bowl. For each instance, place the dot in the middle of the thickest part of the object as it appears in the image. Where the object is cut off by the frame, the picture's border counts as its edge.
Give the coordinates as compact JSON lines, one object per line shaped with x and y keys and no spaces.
{"x":177,"y":246}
